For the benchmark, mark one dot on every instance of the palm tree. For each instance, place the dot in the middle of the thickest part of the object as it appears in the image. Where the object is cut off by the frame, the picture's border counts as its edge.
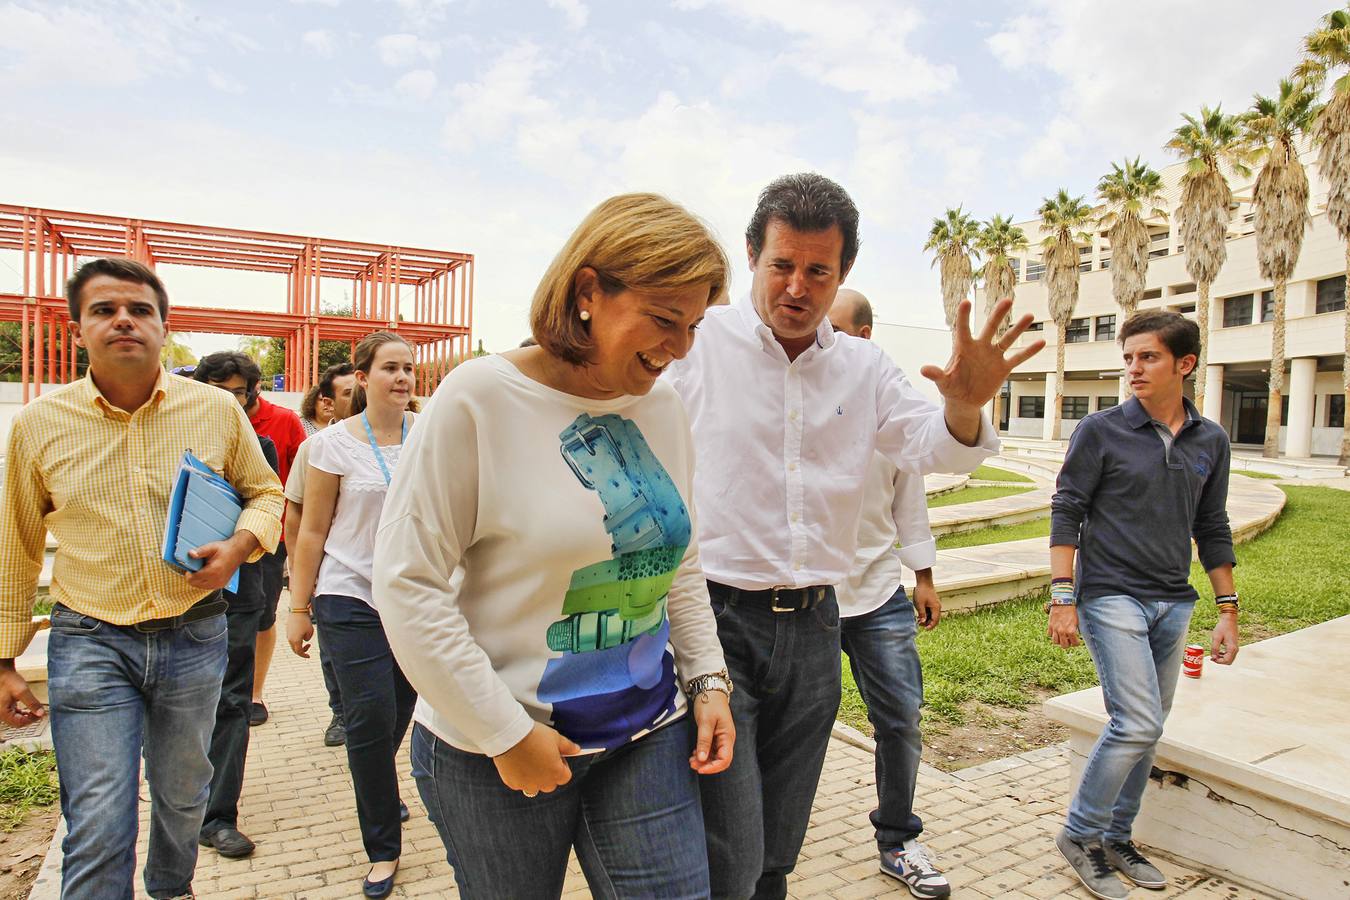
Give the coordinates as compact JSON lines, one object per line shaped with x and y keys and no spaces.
{"x":999,"y":238}
{"x":952,"y":238}
{"x":1062,"y":220}
{"x":1130,"y":190}
{"x":1280,"y":201}
{"x":1327,"y":50}
{"x":1207,"y":142}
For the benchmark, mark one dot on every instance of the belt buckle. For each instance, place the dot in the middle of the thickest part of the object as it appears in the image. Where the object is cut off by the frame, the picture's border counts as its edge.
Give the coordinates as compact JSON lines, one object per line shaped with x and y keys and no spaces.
{"x":773,"y":600}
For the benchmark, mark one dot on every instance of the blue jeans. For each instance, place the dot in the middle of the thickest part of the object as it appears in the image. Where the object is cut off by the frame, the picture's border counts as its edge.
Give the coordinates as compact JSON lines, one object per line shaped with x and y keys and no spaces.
{"x":117,"y":693}
{"x":379,"y":705}
{"x":1137,"y":646}
{"x":786,"y":668}
{"x":885,"y":663}
{"x":632,"y":814}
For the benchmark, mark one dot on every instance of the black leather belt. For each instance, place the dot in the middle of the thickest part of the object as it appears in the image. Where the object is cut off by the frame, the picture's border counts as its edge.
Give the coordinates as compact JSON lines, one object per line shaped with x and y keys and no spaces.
{"x":781,"y":599}
{"x":205,"y":608}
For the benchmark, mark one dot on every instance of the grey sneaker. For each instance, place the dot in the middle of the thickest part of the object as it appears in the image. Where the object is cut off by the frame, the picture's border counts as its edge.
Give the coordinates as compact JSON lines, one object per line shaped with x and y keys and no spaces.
{"x":912,"y":865}
{"x":1090,"y":864}
{"x":1132,"y":864}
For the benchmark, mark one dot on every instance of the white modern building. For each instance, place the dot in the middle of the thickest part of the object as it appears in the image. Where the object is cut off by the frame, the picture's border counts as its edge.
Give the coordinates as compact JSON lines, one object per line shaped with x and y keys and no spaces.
{"x":1240,"y":336}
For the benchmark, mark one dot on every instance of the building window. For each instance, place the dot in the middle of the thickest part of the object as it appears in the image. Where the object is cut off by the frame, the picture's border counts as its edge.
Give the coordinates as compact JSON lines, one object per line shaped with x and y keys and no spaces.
{"x":1186,"y":308}
{"x":1031,"y":407}
{"x":1074,"y":407}
{"x":1078,"y":331}
{"x":1016,"y":267}
{"x":1035,"y":269}
{"x":1331,"y":294}
{"x":1237,"y":310}
{"x":1105,"y":402}
{"x":1036,"y":326}
{"x":1106,"y":328}
{"x":1336,"y":411}
{"x":1152,"y":293}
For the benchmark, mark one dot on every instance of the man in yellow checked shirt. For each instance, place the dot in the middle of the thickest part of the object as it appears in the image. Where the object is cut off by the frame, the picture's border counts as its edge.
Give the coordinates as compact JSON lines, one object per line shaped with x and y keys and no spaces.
{"x":137,"y":649}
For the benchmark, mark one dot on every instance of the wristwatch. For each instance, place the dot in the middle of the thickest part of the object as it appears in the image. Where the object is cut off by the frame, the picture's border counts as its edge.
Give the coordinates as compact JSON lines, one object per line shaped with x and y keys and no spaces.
{"x":713,"y":681}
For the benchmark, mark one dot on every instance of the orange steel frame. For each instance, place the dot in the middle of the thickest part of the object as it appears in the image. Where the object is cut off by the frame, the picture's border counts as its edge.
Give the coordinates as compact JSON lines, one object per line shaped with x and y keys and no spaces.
{"x":436,"y":319}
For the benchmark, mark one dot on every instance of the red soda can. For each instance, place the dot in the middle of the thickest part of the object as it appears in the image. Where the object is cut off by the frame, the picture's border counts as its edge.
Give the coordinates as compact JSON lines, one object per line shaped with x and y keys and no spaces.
{"x":1192,"y":662}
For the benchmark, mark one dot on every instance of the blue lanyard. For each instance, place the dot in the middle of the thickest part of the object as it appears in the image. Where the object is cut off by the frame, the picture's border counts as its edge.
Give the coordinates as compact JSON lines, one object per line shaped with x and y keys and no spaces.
{"x":379,"y":456}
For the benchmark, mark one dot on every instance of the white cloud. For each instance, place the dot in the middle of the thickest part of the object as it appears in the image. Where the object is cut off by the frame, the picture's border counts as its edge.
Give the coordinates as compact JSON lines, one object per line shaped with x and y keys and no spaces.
{"x":223,"y":83}
{"x":403,"y":50}
{"x":488,"y":108}
{"x":1126,"y":71}
{"x":575,"y":11}
{"x":856,"y":46}
{"x":419,"y":14}
{"x":317,"y":2}
{"x":419,"y":84}
{"x":321,"y":42}
{"x":1051,"y":151}
{"x":81,"y":45}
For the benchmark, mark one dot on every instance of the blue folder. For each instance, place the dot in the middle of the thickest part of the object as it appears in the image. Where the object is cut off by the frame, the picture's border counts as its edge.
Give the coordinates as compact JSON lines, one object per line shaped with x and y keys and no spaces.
{"x":202,"y":508}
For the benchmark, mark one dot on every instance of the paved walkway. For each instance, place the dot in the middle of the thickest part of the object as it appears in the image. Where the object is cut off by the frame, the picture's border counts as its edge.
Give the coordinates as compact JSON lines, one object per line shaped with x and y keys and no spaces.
{"x":991,"y":827}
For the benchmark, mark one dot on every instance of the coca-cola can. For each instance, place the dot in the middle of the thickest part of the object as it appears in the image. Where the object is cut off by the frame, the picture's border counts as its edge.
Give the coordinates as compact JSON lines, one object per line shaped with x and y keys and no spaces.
{"x":1192,"y":662}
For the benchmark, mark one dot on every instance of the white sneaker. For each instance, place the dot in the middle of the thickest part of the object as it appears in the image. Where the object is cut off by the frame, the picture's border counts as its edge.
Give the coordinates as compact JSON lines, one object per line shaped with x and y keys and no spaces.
{"x":912,"y":865}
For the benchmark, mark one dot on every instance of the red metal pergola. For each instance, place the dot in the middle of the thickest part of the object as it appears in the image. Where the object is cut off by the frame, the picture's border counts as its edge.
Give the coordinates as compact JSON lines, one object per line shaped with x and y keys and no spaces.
{"x":437,"y":319}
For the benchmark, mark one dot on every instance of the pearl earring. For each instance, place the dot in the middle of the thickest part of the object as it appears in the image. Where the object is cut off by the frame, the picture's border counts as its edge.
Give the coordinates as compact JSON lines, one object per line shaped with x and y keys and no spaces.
{"x":585,"y":315}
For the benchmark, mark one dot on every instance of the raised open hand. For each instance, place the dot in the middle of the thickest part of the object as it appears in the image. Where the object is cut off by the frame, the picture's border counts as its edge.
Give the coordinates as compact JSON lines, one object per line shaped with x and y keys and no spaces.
{"x":979,"y":365}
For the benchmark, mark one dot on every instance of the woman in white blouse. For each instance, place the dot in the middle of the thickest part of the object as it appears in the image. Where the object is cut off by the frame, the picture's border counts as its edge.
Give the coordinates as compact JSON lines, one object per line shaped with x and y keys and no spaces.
{"x":350,"y":467}
{"x":539,"y":581}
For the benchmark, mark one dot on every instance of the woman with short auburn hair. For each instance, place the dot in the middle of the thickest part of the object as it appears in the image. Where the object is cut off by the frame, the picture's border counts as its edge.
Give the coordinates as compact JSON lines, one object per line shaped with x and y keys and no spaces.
{"x":539,"y":580}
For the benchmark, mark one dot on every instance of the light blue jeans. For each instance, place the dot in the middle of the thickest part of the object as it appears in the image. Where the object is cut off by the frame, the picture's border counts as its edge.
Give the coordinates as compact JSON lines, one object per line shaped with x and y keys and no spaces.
{"x":1137,"y":646}
{"x":117,"y":693}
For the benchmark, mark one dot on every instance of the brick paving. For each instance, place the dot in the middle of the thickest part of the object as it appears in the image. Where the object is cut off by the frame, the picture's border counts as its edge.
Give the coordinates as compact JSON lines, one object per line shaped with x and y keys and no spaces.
{"x":990,"y":827}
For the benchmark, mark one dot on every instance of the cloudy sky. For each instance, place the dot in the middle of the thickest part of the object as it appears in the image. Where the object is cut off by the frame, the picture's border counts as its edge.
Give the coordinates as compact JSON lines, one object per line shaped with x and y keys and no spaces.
{"x":492,"y":127}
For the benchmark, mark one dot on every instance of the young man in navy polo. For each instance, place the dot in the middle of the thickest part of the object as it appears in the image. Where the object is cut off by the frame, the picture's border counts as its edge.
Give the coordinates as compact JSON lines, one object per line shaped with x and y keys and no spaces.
{"x":1140,"y":480}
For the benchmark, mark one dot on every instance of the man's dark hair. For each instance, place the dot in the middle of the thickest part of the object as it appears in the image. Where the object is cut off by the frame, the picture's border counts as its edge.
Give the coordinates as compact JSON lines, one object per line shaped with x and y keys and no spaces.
{"x":1179,"y":334}
{"x":331,"y":374}
{"x":123,"y":270}
{"x":806,"y":202}
{"x":226,"y":364}
{"x":862,"y":313}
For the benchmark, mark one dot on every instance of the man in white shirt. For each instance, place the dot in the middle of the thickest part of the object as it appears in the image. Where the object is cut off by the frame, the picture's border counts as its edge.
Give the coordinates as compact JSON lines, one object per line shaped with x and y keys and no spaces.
{"x":786,"y":416}
{"x":878,"y":629}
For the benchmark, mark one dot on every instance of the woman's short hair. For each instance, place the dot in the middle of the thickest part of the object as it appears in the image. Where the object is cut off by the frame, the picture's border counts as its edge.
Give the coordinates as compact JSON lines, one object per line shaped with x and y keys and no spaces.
{"x":641,"y":242}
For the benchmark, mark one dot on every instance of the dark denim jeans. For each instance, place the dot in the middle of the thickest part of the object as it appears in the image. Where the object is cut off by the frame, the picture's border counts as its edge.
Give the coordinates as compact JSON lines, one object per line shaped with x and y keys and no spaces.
{"x":378,"y":701}
{"x":786,"y":670}
{"x":885,"y":664}
{"x":330,"y":682}
{"x":631,"y":813}
{"x":1137,"y":647}
{"x":117,"y":694}
{"x":229,"y":739}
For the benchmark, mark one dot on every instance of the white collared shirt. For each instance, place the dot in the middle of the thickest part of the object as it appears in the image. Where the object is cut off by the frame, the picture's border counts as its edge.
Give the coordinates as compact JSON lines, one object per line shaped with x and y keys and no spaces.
{"x":894,"y":512}
{"x":783,"y":448}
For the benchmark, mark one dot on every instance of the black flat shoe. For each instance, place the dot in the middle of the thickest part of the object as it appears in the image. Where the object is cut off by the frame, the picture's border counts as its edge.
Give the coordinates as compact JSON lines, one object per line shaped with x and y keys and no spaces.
{"x":228,"y":842}
{"x":257,"y":713}
{"x":403,"y":814}
{"x":381,"y":888}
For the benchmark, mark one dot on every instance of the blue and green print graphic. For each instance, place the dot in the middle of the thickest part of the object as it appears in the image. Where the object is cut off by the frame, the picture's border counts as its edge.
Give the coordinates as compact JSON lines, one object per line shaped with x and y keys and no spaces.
{"x":615,"y":677}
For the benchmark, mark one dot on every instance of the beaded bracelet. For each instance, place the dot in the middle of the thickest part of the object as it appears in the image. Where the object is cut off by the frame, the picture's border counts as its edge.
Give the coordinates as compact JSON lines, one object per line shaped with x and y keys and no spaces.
{"x":1062,"y":592}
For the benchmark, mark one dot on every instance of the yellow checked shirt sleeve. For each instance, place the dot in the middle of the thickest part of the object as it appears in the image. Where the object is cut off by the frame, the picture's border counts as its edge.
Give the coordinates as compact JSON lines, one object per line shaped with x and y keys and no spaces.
{"x":246,"y":468}
{"x":22,"y":542}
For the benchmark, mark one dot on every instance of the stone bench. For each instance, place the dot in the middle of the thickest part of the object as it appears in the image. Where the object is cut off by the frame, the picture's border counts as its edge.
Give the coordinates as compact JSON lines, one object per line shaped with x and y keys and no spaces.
{"x":1252,"y":776}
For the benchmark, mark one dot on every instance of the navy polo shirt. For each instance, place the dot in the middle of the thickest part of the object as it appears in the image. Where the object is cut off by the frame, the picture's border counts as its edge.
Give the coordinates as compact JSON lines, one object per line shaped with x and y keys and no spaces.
{"x":1131,"y":503}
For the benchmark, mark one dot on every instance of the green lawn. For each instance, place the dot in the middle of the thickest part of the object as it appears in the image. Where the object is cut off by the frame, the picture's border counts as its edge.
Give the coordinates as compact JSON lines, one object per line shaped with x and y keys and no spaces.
{"x":995,"y":534}
{"x":1265,"y":475}
{"x":26,"y":780}
{"x":1290,"y":577}
{"x":989,"y":473}
{"x":973,"y":494}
